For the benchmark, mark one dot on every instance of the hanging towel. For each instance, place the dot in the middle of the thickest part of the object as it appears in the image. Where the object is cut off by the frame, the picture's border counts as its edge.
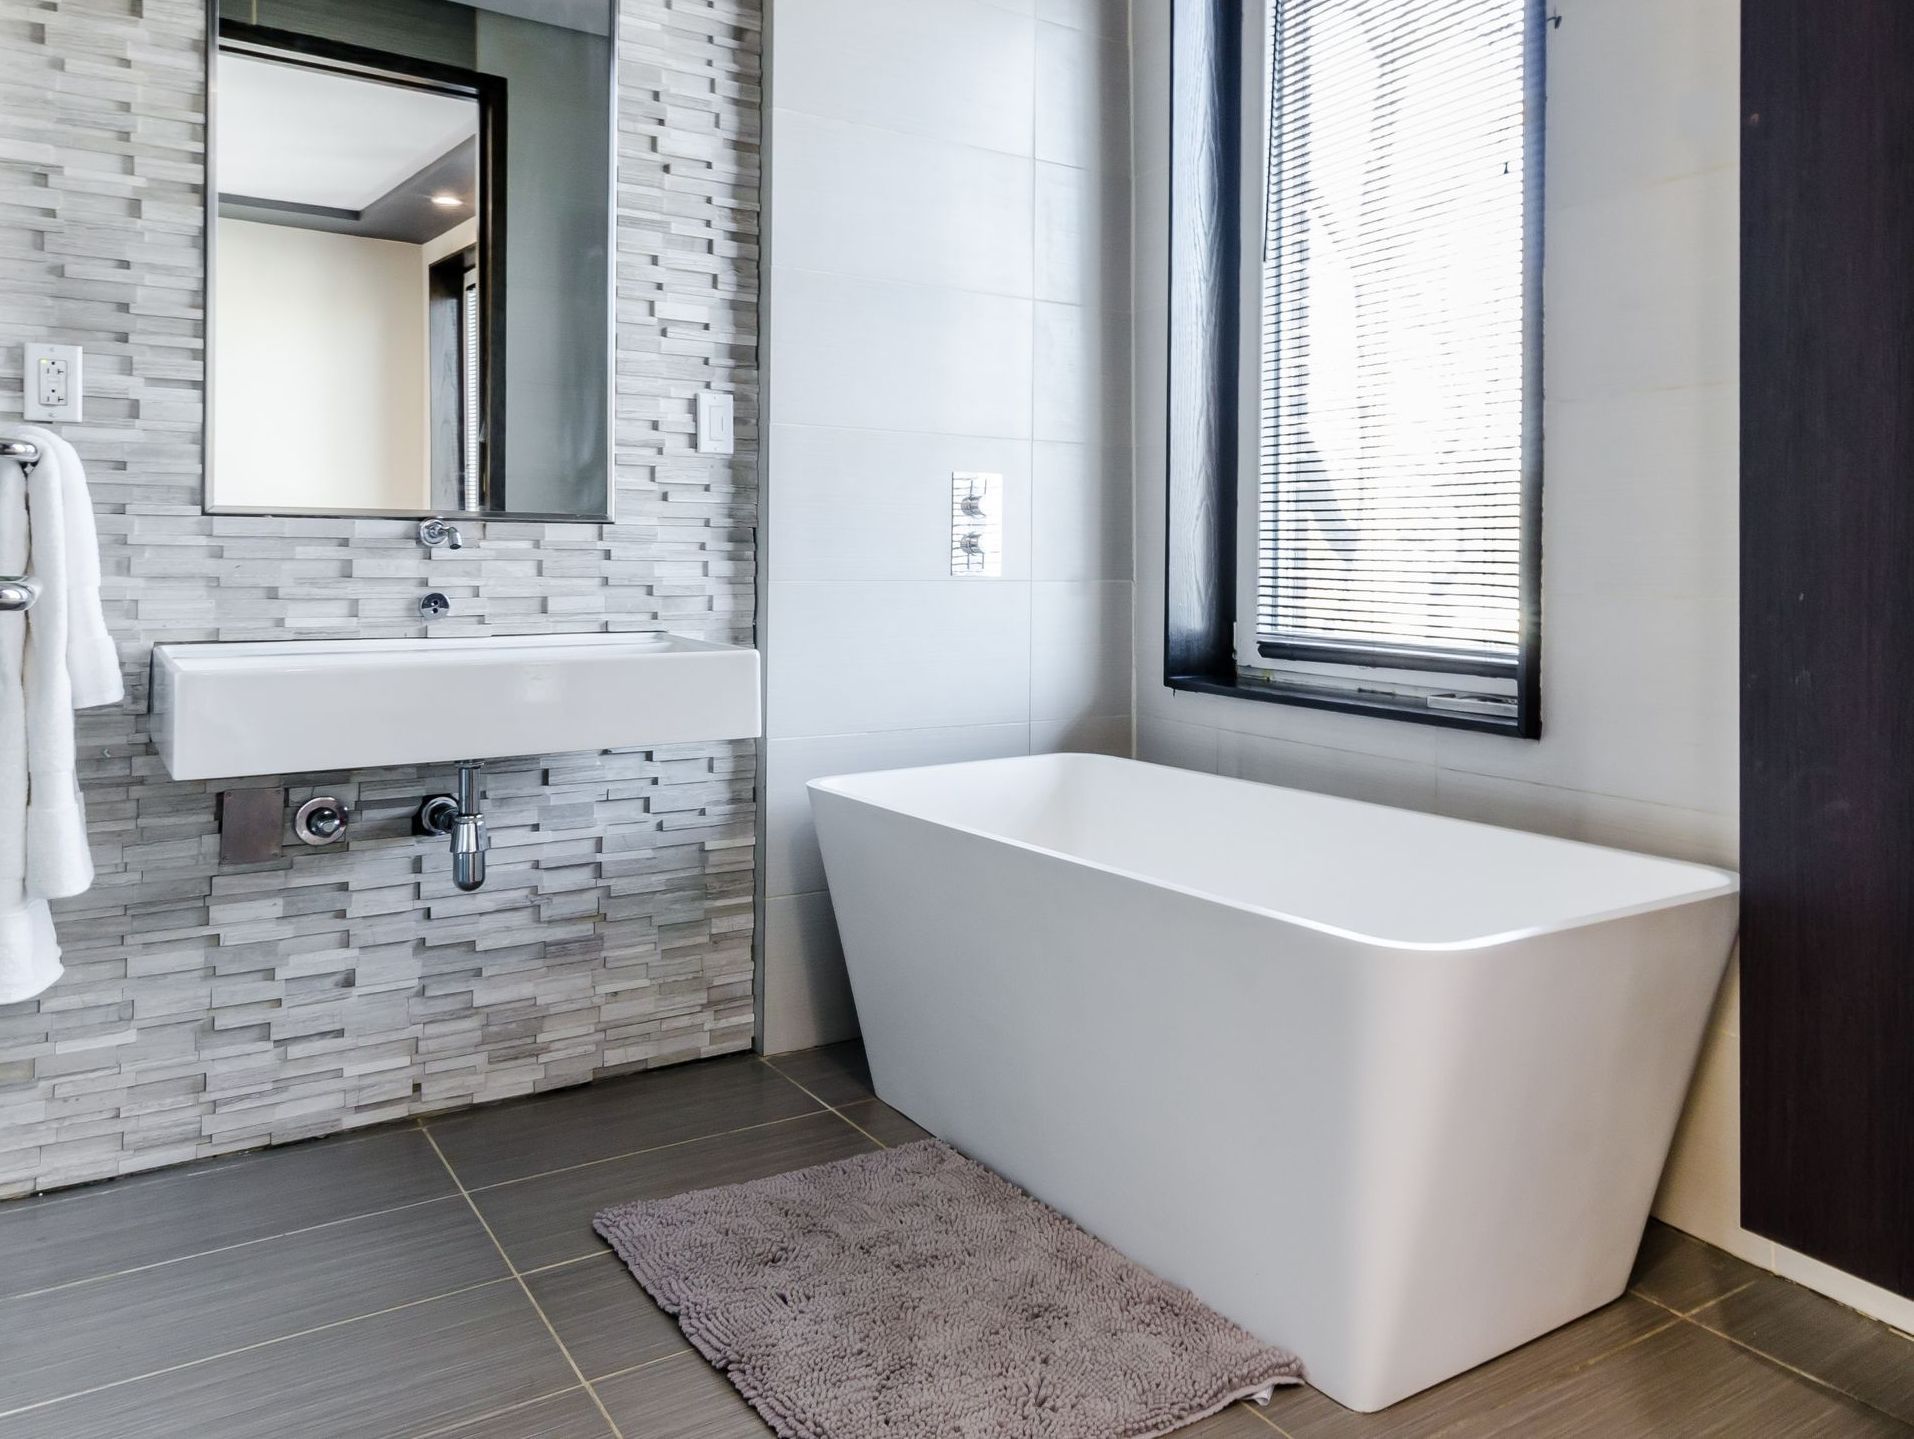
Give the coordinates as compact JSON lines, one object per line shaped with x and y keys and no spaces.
{"x":52,"y":660}
{"x":29,"y":952}
{"x":92,"y":659}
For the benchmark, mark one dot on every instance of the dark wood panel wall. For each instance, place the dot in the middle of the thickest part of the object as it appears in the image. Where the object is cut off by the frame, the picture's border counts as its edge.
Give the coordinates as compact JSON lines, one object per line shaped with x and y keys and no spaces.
{"x":1827,"y":525}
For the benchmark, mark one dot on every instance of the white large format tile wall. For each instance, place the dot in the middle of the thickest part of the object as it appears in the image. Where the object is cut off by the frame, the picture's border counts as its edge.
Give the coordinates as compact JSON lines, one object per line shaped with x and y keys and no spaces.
{"x":949,"y":289}
{"x":208,"y":1008}
{"x":1640,"y":542}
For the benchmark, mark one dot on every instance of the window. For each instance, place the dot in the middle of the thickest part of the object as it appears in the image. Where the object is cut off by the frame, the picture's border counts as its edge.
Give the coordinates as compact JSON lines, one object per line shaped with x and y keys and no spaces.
{"x":1382,"y":463}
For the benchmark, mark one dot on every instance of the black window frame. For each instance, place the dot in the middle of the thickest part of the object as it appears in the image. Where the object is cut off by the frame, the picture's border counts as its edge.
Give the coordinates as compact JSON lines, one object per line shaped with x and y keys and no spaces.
{"x":1204,"y":460}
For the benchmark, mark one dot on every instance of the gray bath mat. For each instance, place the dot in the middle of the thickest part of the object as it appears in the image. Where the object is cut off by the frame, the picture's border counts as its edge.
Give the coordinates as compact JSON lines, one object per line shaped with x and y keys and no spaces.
{"x":912,"y":1292}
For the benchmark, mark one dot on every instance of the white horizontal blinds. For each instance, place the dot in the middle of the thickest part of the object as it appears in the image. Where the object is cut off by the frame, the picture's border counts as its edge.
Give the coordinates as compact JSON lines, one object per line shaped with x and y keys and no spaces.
{"x":1393,"y":374}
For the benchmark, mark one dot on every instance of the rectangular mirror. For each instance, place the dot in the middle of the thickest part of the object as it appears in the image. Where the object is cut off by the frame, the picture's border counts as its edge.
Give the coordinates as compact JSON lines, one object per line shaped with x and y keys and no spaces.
{"x":410,"y":262}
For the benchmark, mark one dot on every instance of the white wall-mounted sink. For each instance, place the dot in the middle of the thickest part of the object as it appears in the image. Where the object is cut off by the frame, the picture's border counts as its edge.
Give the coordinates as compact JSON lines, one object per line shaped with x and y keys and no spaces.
{"x":224,"y":710}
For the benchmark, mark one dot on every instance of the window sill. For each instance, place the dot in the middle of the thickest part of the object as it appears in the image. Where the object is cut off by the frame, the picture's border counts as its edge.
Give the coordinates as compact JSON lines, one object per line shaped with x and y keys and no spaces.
{"x":1380,"y":707}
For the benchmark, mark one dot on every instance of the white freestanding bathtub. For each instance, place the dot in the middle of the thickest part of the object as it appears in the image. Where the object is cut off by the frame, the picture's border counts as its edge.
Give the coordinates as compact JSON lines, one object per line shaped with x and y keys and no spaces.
{"x":1390,"y":1090}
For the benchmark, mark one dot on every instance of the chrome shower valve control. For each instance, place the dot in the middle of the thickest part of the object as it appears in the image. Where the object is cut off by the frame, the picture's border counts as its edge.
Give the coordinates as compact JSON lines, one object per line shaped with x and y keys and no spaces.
{"x":437,"y":531}
{"x":434,"y":605}
{"x":976,"y":524}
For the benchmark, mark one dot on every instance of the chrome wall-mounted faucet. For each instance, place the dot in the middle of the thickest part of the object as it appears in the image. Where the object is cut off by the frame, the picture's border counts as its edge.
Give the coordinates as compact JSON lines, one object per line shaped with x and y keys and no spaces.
{"x":437,"y":531}
{"x":458,"y":818}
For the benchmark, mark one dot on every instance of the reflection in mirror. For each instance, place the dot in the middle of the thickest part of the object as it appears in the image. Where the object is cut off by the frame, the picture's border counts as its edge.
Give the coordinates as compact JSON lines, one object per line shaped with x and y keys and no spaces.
{"x":411,"y":261}
{"x":349,"y":304}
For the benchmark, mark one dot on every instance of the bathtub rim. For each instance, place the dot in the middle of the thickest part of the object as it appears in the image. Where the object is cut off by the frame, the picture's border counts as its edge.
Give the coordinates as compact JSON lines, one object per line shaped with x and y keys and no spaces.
{"x":1726,"y":883}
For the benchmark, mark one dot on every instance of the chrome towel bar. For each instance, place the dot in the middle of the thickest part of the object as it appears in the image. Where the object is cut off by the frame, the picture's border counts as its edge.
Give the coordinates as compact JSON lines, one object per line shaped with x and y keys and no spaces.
{"x":18,"y":592}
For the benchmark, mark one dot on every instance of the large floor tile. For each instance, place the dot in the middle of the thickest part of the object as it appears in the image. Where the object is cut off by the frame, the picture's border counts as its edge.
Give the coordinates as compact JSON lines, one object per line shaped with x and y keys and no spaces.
{"x":836,"y":1074}
{"x":408,"y":1372}
{"x":1681,"y":1383}
{"x":85,"y":1335}
{"x":571,"y":1415}
{"x":1804,"y":1331}
{"x":1683,"y":1273}
{"x":616,"y":1116}
{"x":884,"y":1124}
{"x":1308,"y":1414}
{"x":681,"y":1398}
{"x":548,"y":1219}
{"x":148,"y":1219}
{"x":603,"y":1316}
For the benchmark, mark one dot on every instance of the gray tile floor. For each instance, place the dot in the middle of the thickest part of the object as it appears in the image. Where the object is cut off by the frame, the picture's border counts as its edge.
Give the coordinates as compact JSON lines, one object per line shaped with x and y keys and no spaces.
{"x":443,"y":1279}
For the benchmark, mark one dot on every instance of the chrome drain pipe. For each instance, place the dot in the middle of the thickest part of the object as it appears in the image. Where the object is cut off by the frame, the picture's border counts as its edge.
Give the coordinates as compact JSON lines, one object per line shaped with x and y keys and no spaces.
{"x":459,"y":818}
{"x":469,"y":839}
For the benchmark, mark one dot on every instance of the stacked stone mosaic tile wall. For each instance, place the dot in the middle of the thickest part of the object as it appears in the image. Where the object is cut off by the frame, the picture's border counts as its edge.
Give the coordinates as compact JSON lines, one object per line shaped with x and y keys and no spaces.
{"x":206,"y":1008}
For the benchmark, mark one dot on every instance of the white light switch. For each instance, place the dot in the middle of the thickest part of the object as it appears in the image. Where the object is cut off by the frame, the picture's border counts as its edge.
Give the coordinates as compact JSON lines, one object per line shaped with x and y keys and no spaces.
{"x":52,"y":382}
{"x":717,"y":432}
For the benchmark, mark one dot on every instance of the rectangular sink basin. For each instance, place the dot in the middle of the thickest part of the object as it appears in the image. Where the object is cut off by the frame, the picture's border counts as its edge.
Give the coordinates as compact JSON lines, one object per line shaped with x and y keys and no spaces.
{"x":225,"y":710}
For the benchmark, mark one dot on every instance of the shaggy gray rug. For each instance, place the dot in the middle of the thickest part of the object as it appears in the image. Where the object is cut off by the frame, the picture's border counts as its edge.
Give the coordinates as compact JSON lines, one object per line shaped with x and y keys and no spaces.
{"x":913,"y":1292}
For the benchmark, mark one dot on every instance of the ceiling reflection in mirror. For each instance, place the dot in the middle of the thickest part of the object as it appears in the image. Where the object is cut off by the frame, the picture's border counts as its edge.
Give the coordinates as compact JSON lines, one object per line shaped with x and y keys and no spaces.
{"x":410,"y":266}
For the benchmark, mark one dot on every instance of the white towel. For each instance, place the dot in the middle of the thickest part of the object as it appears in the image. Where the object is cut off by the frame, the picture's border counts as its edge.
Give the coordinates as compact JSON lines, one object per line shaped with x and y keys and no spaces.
{"x":92,"y":659}
{"x":46,"y":531}
{"x":29,"y":952}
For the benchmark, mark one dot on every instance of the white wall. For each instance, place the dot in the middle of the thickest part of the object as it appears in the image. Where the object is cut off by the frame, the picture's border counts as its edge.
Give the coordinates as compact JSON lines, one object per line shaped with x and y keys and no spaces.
{"x":1640,"y":497}
{"x":319,"y":349}
{"x":948,"y":290}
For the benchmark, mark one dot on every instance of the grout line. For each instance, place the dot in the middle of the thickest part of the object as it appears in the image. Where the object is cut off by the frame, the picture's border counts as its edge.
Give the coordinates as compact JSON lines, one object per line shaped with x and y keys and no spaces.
{"x":1711,"y":1303}
{"x":648,"y":1364}
{"x":1257,"y":1411}
{"x":1590,"y":1361}
{"x":568,"y":1263}
{"x":628,"y":1154}
{"x":249,"y":1348}
{"x":831,"y":1107}
{"x":1030,"y":412}
{"x":1657,"y":1304}
{"x":459,"y":1424}
{"x":525,"y":1288}
{"x":222,"y":1249}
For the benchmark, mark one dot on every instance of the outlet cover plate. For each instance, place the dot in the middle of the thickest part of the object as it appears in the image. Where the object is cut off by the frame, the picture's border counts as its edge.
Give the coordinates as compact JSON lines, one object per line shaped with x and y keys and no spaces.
{"x":53,"y":383}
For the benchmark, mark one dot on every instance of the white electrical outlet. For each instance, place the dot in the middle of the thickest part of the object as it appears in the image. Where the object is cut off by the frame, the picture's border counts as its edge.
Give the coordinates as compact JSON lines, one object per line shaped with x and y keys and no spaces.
{"x":717,"y":423}
{"x":53,"y":386}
